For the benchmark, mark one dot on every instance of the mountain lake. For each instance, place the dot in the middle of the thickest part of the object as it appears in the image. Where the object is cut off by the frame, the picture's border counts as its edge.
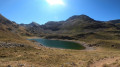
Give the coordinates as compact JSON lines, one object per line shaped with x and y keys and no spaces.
{"x":59,"y":44}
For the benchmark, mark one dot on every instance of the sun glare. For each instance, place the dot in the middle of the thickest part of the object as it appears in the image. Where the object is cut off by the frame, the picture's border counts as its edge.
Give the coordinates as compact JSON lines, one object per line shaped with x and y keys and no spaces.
{"x":55,"y":2}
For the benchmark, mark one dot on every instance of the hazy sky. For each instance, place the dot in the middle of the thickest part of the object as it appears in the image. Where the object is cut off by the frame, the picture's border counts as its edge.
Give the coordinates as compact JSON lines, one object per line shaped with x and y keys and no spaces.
{"x":41,"y":11}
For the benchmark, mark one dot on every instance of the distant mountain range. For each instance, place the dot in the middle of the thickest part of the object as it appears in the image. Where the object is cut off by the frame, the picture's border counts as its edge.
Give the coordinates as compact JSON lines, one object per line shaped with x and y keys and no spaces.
{"x":74,"y":24}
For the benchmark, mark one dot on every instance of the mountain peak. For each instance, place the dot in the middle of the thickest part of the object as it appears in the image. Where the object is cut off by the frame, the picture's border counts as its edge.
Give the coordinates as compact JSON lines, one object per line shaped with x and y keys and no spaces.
{"x":34,"y":24}
{"x":80,"y":17}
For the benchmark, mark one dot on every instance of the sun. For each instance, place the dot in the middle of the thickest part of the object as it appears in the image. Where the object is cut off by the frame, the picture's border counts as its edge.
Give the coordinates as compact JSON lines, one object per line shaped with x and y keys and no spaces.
{"x":55,"y":2}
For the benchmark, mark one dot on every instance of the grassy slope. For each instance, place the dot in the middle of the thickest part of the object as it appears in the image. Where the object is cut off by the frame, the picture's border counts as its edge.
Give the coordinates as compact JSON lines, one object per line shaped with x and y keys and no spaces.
{"x":7,"y":36}
{"x":46,"y":57}
{"x":104,"y":39}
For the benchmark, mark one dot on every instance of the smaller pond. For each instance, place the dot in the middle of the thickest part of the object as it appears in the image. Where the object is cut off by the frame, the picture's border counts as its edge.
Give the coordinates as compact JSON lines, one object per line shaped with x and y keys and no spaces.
{"x":59,"y":44}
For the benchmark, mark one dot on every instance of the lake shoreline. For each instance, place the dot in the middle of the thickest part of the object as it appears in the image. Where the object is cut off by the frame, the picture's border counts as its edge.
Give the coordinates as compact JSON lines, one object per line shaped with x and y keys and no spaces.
{"x":79,"y":42}
{"x":75,"y":41}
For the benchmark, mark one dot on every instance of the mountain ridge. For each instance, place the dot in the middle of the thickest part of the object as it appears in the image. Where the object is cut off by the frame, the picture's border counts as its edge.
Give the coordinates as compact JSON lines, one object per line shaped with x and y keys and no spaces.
{"x":76,"y":23}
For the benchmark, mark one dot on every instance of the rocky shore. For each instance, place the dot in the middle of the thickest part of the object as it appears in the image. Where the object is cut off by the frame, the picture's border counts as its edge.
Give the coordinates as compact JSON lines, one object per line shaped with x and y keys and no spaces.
{"x":7,"y":45}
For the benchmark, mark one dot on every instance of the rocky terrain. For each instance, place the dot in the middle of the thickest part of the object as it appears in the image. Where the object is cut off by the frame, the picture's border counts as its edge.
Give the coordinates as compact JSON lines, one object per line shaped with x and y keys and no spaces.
{"x":8,"y":45}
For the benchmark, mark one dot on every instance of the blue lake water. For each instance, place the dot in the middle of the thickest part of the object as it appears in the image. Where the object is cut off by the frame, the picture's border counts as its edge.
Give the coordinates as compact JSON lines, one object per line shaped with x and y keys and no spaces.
{"x":59,"y":44}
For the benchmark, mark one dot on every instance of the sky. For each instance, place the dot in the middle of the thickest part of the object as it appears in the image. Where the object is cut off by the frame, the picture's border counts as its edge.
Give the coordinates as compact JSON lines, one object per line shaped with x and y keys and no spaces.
{"x":42,"y":11}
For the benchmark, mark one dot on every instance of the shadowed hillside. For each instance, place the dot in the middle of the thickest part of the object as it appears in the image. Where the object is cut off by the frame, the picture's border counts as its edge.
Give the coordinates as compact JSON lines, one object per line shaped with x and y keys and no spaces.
{"x":11,"y":32}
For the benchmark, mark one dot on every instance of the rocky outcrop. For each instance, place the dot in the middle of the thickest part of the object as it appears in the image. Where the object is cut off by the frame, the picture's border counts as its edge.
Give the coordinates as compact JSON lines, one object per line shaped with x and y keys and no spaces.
{"x":8,"y":45}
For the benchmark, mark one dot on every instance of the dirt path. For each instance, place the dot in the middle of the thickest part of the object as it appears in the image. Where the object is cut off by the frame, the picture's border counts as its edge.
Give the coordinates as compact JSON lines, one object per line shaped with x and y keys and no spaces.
{"x":105,"y":61}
